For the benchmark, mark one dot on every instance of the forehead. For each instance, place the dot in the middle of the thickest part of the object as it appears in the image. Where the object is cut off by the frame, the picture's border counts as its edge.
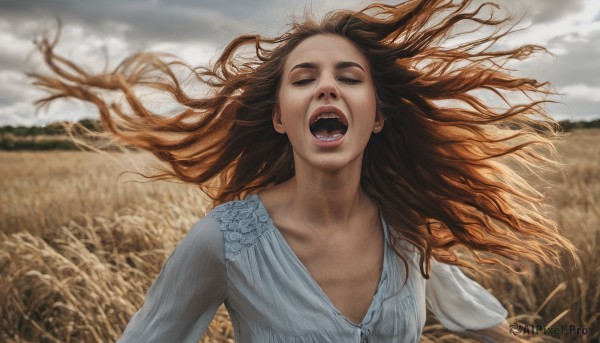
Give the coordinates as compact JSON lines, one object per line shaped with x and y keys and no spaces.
{"x":325,"y":49}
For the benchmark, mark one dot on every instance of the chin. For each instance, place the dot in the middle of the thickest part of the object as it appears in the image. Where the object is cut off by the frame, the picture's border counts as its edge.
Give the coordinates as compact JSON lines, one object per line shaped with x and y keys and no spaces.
{"x":333,"y":162}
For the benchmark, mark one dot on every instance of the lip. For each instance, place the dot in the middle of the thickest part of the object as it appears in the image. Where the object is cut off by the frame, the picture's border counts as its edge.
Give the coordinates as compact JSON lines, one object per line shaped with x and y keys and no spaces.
{"x":327,"y":109}
{"x":323,"y":144}
{"x":328,"y":144}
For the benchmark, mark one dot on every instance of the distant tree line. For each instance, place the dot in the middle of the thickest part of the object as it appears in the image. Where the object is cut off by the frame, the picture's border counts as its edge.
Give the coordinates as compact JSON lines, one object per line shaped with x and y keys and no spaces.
{"x":21,"y":137}
{"x":54,"y":129}
{"x":13,"y":144}
{"x":49,"y":137}
{"x":568,"y":125}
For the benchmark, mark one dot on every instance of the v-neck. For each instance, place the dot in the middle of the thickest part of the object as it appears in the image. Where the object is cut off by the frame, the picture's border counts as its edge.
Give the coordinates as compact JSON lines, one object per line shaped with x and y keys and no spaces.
{"x":375,"y":301}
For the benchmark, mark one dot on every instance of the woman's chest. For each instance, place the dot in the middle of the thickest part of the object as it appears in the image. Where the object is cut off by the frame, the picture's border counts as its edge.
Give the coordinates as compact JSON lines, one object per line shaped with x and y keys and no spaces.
{"x":276,"y":293}
{"x":348,"y":273}
{"x":348,"y":280}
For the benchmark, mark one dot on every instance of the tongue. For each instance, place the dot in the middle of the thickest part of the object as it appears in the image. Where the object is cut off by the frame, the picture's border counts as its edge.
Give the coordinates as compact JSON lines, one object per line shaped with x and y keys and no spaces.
{"x":324,"y":133}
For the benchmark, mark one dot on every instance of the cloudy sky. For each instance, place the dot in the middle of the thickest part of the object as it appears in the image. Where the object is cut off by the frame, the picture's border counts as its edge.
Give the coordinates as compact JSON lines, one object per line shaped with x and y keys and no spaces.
{"x":197,"y":30}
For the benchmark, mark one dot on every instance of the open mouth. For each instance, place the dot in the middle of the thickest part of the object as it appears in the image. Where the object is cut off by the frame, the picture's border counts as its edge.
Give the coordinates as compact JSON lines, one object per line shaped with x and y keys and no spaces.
{"x":328,"y":127}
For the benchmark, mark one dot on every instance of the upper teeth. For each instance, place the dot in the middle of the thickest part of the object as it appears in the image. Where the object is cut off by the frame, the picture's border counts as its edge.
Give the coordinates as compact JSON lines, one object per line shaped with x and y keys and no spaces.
{"x":327,"y":116}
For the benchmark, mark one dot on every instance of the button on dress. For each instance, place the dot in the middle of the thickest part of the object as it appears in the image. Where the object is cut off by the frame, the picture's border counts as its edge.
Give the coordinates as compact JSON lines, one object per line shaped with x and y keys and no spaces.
{"x":237,"y":257}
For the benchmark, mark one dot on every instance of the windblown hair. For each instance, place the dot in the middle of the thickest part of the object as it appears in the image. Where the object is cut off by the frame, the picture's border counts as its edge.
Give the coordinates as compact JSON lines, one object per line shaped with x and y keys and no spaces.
{"x":444,"y":170}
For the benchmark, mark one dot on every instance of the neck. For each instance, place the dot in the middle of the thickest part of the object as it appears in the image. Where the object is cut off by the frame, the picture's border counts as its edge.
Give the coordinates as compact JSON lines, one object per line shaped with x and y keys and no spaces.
{"x":326,"y":199}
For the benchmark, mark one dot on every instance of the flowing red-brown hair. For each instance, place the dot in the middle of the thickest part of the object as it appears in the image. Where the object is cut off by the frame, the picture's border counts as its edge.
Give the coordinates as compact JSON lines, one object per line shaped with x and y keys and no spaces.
{"x":443,"y":170}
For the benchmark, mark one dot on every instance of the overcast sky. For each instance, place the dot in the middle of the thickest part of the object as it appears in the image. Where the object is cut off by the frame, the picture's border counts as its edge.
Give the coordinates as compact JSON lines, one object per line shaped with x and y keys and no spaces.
{"x":197,"y":30}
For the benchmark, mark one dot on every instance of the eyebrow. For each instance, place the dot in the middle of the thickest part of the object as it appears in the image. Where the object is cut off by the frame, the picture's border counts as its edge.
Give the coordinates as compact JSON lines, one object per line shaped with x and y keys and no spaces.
{"x":339,"y":65}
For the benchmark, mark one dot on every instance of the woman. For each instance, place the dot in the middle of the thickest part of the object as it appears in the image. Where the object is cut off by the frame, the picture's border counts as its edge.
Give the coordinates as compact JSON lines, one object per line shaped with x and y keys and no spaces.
{"x":344,"y":183}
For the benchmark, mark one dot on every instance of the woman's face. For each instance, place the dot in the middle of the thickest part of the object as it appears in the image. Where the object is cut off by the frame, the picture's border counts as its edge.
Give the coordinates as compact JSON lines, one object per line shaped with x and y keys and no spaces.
{"x":326,"y":103}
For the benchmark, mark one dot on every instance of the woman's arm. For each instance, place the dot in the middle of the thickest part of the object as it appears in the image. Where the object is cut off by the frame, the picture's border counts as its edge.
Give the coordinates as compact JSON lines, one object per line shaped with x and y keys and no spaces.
{"x":187,"y":293}
{"x":459,"y":303}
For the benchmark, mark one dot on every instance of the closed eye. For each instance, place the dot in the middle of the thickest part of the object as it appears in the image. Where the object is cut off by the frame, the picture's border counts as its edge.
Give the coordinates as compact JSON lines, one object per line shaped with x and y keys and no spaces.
{"x":302,"y":82}
{"x":341,"y":79}
{"x":349,"y":80}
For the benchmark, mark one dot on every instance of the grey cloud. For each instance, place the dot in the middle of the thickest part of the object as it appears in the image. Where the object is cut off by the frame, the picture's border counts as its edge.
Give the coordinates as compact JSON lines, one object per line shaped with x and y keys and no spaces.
{"x":576,"y":61}
{"x":149,"y":21}
{"x":11,"y":62}
{"x":580,"y":63}
{"x":550,"y":10}
{"x":217,"y":22}
{"x":14,"y":87}
{"x":208,"y":20}
{"x":540,"y":11}
{"x":577,"y":64}
{"x":580,"y":110}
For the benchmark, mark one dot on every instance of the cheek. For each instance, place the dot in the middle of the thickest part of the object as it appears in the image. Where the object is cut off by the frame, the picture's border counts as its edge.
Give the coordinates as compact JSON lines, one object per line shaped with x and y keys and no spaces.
{"x":364,"y":95}
{"x":372,"y":101}
{"x":292,"y":108}
{"x":367,"y":108}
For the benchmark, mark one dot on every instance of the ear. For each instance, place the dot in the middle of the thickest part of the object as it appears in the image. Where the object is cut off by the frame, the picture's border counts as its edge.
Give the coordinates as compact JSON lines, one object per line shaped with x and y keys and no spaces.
{"x":379,"y":121}
{"x":277,"y":123}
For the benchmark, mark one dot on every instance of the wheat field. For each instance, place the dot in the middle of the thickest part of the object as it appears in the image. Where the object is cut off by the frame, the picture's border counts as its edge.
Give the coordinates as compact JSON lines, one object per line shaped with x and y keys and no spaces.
{"x":80,"y":243}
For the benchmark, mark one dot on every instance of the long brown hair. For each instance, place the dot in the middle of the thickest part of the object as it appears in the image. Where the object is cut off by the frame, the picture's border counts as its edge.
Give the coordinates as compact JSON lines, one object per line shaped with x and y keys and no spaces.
{"x":444,"y":168}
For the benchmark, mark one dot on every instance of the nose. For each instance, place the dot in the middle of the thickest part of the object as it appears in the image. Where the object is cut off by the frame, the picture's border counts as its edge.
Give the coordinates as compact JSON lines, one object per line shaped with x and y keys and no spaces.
{"x":327,"y":88}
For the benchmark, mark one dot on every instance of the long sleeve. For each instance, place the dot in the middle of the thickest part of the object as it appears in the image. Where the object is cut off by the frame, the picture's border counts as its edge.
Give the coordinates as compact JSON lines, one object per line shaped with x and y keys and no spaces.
{"x":184,"y":298}
{"x":460,"y":303}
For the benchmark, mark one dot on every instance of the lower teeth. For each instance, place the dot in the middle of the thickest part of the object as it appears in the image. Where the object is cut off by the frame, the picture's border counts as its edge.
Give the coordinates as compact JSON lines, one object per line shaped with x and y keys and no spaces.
{"x":332,"y":138}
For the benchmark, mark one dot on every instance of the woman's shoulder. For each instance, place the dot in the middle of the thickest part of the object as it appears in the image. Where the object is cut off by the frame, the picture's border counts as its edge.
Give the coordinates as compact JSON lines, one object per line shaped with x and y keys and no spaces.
{"x":238,"y":209}
{"x":241,"y":222}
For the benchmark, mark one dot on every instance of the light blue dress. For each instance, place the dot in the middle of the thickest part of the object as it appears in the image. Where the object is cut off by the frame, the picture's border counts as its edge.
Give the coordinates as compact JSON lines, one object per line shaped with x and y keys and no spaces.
{"x":235,"y":255}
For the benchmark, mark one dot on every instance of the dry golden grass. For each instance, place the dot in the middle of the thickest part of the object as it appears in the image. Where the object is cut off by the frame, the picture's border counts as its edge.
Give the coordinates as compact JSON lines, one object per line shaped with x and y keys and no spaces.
{"x":79,"y":248}
{"x":42,"y":191}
